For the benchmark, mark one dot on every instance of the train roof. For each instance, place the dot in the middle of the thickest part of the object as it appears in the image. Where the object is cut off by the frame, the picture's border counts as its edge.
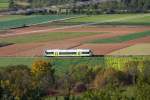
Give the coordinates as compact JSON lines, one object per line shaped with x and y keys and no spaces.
{"x":68,"y":50}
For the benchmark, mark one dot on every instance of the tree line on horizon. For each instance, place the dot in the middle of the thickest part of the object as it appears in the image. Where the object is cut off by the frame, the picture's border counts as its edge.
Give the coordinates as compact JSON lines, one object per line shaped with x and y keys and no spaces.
{"x":92,"y":6}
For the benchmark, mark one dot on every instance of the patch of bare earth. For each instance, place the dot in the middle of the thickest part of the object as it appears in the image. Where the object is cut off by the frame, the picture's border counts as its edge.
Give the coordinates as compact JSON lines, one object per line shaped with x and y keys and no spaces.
{"x":41,"y":29}
{"x":103,"y":49}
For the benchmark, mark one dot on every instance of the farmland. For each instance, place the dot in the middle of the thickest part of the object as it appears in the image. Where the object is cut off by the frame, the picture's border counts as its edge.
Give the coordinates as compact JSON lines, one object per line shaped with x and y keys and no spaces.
{"x":120,"y":48}
{"x":34,"y":44}
{"x":52,"y":36}
{"x":4,"y":4}
{"x":29,"y":20}
{"x":114,"y":19}
{"x":87,"y":33}
{"x":138,"y":49}
{"x":124,"y":38}
{"x":12,"y":17}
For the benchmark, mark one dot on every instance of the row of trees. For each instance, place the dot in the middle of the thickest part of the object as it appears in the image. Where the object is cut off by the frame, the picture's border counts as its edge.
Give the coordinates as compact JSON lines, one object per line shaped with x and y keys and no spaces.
{"x":80,"y":82}
{"x":89,"y":6}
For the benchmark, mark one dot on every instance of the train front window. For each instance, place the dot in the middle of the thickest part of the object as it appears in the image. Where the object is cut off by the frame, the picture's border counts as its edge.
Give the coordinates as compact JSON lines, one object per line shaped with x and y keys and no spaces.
{"x":49,"y":52}
{"x":85,"y":52}
{"x":67,"y":53}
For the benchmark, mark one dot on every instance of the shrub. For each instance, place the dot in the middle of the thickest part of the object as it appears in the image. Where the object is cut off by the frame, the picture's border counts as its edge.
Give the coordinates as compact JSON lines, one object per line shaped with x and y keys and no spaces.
{"x":111,"y":76}
{"x":110,"y":92}
{"x":132,"y":70}
{"x":146,"y":71}
{"x":83,"y":73}
{"x":80,"y":87}
{"x":142,"y":91}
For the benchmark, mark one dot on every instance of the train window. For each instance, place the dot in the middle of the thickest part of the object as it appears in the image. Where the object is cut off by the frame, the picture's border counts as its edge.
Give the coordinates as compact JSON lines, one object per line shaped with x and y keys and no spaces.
{"x":85,"y":52}
{"x":64,"y":53}
{"x":49,"y":52}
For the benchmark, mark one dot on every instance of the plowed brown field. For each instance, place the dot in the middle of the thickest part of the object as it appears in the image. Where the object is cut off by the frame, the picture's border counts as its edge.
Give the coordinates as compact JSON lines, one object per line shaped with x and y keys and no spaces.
{"x":37,"y":49}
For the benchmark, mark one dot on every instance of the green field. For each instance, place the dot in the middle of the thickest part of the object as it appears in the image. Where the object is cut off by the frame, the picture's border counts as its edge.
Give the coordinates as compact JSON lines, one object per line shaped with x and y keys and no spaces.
{"x":4,"y":4}
{"x":13,"y":17}
{"x":45,"y":37}
{"x":30,"y":20}
{"x":114,"y":19}
{"x":124,"y":38}
{"x":2,"y":44}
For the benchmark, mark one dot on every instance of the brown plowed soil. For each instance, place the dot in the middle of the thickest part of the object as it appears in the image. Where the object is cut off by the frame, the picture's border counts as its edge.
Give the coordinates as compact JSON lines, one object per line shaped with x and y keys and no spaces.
{"x":103,"y":49}
{"x":38,"y":29}
{"x":37,"y":49}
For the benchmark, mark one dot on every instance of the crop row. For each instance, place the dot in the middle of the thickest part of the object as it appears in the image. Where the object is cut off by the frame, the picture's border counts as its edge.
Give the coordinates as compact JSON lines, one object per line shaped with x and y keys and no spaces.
{"x":29,"y":20}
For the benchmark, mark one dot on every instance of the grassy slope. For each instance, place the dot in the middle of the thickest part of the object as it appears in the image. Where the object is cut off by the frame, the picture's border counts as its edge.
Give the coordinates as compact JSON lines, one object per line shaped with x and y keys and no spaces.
{"x":141,"y":19}
{"x":124,"y":38}
{"x":45,"y":37}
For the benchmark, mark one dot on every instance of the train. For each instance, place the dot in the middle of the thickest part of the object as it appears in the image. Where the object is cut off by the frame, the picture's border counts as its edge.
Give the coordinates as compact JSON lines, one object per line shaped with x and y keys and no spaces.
{"x":68,"y":53}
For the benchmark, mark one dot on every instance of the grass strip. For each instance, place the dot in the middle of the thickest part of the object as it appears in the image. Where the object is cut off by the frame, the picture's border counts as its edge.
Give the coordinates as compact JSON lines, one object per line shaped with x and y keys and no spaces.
{"x":124,"y":38}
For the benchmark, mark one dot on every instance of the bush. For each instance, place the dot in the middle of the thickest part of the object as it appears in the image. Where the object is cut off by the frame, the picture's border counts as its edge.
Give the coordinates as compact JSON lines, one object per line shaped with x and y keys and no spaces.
{"x":146,"y":71}
{"x":80,"y":87}
{"x":132,"y":70}
{"x":81,"y":73}
{"x":110,"y":92}
{"x":111,"y":76}
{"x":142,"y":91}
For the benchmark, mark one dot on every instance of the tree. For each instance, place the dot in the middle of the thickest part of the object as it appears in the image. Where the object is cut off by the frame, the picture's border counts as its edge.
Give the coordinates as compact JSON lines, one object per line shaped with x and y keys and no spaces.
{"x":43,"y":76}
{"x":16,"y":83}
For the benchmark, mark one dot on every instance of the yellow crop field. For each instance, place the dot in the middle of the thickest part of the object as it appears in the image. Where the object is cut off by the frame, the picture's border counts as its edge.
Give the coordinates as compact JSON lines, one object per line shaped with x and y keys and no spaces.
{"x":138,"y":49}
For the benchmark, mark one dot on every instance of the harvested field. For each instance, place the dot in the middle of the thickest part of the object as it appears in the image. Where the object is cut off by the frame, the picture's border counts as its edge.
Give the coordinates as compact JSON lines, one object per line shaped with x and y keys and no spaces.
{"x":138,"y":49}
{"x":103,"y":49}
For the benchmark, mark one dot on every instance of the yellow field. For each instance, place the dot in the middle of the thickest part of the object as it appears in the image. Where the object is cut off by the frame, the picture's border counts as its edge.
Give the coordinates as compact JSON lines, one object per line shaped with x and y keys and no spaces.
{"x":138,"y":49}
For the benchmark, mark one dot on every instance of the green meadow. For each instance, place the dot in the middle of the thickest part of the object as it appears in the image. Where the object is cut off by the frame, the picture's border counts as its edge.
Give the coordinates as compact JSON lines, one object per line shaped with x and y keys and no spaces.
{"x":114,"y":19}
{"x":4,"y":4}
{"x":46,"y":37}
{"x":29,"y":20}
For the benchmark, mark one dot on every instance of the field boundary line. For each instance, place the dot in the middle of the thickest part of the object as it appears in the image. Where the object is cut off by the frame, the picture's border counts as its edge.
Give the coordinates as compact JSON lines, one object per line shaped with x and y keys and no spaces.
{"x":56,"y":20}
